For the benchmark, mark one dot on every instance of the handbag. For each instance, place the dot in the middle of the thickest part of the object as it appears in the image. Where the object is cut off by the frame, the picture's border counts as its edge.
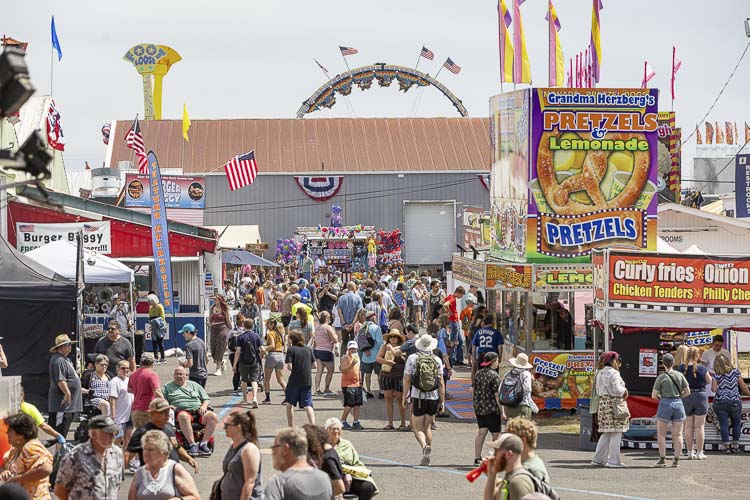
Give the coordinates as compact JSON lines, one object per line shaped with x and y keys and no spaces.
{"x":216,"y":487}
{"x":620,"y":409}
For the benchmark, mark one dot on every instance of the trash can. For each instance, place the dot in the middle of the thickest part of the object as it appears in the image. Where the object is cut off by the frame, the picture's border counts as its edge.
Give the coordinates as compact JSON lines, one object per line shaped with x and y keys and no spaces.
{"x":587,"y":425}
{"x":139,"y":340}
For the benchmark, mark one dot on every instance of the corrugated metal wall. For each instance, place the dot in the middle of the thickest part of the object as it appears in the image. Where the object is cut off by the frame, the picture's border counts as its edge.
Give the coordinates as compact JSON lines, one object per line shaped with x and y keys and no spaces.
{"x":278,"y":206}
{"x":186,"y":280}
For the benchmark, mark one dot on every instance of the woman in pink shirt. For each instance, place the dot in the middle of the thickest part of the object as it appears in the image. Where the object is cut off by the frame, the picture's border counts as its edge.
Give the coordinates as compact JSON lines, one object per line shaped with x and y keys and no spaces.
{"x":323,"y":343}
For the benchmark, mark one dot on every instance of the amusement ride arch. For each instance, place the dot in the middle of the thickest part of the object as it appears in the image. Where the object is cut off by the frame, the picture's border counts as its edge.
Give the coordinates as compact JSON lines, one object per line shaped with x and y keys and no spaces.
{"x":362,"y":77}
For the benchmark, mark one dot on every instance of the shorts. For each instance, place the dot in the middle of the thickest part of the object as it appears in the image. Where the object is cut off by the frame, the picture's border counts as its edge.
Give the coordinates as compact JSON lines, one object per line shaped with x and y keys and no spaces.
{"x":139,"y":418}
{"x":392,"y":384}
{"x":491,"y":422}
{"x":123,"y":428}
{"x":353,"y":396}
{"x":249,"y":373}
{"x":369,"y":368}
{"x":670,"y":410}
{"x":274,"y":360}
{"x":518,"y":411}
{"x":285,"y":319}
{"x":198,"y":380}
{"x":324,"y":356}
{"x":417,"y":308}
{"x":300,"y":396}
{"x":421,"y":407}
{"x":696,"y":404}
{"x":193,"y":415}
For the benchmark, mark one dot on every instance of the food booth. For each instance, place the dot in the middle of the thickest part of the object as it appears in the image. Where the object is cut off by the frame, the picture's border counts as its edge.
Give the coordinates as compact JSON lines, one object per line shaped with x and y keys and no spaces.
{"x":572,"y":170}
{"x":650,"y":303}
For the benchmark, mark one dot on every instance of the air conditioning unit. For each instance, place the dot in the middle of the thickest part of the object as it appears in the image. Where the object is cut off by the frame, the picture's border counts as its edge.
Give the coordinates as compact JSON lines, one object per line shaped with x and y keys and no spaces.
{"x":105,"y":182}
{"x":125,"y":165}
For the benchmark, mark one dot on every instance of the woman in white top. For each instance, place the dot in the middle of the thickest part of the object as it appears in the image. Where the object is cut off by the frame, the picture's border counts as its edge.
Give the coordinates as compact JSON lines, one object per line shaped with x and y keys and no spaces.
{"x":612,"y":394}
{"x":161,"y":478}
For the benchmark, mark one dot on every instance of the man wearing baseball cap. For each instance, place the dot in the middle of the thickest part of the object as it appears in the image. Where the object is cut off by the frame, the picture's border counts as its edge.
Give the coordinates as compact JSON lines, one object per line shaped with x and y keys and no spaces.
{"x":196,"y":359}
{"x":516,"y":482}
{"x":487,"y":406}
{"x":92,"y":470}
{"x":158,"y":411}
{"x":351,"y":384}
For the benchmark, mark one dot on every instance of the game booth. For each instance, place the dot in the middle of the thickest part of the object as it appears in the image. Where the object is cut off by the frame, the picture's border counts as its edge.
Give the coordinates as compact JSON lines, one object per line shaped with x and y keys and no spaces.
{"x":650,"y":303}
{"x":572,"y":170}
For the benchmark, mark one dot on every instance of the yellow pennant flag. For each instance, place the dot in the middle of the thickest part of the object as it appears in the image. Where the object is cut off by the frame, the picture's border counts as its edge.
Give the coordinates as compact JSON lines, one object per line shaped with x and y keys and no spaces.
{"x":185,"y":123}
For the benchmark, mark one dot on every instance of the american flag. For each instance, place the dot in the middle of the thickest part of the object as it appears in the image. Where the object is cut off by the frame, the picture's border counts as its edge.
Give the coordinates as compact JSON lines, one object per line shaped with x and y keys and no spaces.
{"x":54,"y":129}
{"x":427,"y":53}
{"x":134,"y":141}
{"x":322,"y":68}
{"x":241,"y":170}
{"x":451,"y":66}
{"x":106,"y":129}
{"x":26,"y":228}
{"x":347,"y":51}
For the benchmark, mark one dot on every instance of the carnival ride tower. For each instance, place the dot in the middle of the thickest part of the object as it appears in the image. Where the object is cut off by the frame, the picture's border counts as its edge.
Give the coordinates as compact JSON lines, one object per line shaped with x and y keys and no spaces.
{"x":152,"y":62}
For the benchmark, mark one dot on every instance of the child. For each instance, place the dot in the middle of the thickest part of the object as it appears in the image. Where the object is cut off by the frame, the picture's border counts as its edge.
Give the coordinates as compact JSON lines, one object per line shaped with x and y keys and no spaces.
{"x":351,"y":385}
{"x":443,"y":351}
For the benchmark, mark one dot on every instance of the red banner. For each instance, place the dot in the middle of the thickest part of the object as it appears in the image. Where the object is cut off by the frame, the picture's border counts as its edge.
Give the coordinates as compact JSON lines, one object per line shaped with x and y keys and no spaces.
{"x":680,"y":280}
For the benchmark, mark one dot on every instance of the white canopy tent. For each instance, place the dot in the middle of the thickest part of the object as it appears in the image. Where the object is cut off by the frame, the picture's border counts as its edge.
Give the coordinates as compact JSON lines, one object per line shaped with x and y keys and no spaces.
{"x":60,"y":256}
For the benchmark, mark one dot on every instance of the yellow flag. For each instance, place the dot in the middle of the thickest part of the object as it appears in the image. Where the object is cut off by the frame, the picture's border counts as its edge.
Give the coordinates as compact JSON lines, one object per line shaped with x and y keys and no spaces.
{"x":185,"y":123}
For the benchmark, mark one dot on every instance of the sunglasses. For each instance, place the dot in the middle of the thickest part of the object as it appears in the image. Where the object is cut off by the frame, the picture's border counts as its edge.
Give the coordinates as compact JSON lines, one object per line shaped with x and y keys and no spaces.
{"x":103,"y":364}
{"x":126,"y":368}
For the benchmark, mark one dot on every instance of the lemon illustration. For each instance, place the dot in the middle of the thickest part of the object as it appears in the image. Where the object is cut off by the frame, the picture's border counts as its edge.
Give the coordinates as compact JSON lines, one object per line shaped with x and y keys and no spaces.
{"x":568,"y":160}
{"x":619,"y":161}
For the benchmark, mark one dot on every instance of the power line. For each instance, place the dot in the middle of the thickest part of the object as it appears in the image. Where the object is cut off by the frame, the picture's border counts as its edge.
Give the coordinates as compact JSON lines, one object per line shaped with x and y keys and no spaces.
{"x":312,"y":204}
{"x":720,"y":93}
{"x":731,"y":160}
{"x":396,"y":189}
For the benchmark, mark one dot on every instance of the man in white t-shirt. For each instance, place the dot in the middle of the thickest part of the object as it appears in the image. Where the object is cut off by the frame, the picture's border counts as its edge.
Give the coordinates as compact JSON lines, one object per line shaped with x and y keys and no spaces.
{"x":709,"y":356}
{"x":120,"y":402}
{"x":424,"y":404}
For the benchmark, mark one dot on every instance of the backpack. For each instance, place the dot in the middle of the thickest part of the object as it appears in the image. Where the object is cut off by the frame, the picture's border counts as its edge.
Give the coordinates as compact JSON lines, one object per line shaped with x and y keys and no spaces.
{"x":248,"y":355}
{"x":426,"y":373}
{"x":540,"y":486}
{"x":511,"y":389}
{"x":365,"y":342}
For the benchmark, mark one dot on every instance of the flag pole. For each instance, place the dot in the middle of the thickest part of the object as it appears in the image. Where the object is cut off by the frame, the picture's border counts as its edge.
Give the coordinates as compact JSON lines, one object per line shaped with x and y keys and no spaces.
{"x":418,"y":58}
{"x":322,"y":70}
{"x":349,"y":104}
{"x":51,"y":67}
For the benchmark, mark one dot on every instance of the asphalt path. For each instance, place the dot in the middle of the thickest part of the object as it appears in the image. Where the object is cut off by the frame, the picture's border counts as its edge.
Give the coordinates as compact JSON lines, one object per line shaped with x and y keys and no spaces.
{"x":393,"y":455}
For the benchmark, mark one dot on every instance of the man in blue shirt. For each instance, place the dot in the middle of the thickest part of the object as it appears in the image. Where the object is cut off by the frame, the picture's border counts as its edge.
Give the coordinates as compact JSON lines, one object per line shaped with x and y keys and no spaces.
{"x":368,"y":358}
{"x":349,"y":304}
{"x":247,"y":355}
{"x":486,"y":339}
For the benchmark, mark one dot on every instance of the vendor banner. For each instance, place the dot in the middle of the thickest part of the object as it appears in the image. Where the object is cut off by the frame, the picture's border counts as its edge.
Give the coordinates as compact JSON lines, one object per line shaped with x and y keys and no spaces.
{"x":742,"y":185}
{"x":691,"y":281}
{"x":508,"y":276}
{"x":97,"y":235}
{"x":509,"y":125}
{"x":563,"y":278}
{"x":563,"y":376}
{"x":476,"y":228}
{"x":468,"y":270}
{"x":160,"y":235}
{"x":178,"y":191}
{"x":593,"y":176}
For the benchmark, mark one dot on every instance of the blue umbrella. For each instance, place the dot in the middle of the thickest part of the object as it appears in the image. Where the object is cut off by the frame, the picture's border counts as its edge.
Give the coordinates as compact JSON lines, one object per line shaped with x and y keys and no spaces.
{"x":243,"y":257}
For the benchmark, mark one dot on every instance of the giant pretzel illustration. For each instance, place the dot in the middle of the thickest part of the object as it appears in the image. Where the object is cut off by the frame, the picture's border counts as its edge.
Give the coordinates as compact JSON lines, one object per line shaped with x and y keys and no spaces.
{"x":592,"y":172}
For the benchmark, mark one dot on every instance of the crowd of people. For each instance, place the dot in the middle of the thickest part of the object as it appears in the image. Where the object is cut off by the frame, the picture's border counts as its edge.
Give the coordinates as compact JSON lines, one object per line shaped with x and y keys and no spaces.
{"x":394,"y":337}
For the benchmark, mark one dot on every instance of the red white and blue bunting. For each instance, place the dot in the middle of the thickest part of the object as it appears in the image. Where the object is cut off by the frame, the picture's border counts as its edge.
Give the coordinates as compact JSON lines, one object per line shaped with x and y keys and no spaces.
{"x":320,"y":188}
{"x":485,"y":180}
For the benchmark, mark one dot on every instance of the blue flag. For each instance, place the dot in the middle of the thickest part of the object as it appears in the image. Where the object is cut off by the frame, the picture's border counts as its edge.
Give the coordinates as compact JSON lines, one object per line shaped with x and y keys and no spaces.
{"x":160,"y":235}
{"x":55,"y":41}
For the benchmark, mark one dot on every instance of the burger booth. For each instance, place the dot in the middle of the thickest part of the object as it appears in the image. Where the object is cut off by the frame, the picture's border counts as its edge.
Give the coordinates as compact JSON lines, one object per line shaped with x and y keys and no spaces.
{"x":650,"y":303}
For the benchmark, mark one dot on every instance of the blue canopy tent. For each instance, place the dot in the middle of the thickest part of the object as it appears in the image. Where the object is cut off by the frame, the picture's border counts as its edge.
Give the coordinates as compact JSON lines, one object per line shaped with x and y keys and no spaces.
{"x":241,"y":257}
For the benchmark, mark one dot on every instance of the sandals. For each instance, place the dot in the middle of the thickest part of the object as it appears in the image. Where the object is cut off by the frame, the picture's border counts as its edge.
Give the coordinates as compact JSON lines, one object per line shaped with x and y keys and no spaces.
{"x":389,"y":427}
{"x":404,"y":428}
